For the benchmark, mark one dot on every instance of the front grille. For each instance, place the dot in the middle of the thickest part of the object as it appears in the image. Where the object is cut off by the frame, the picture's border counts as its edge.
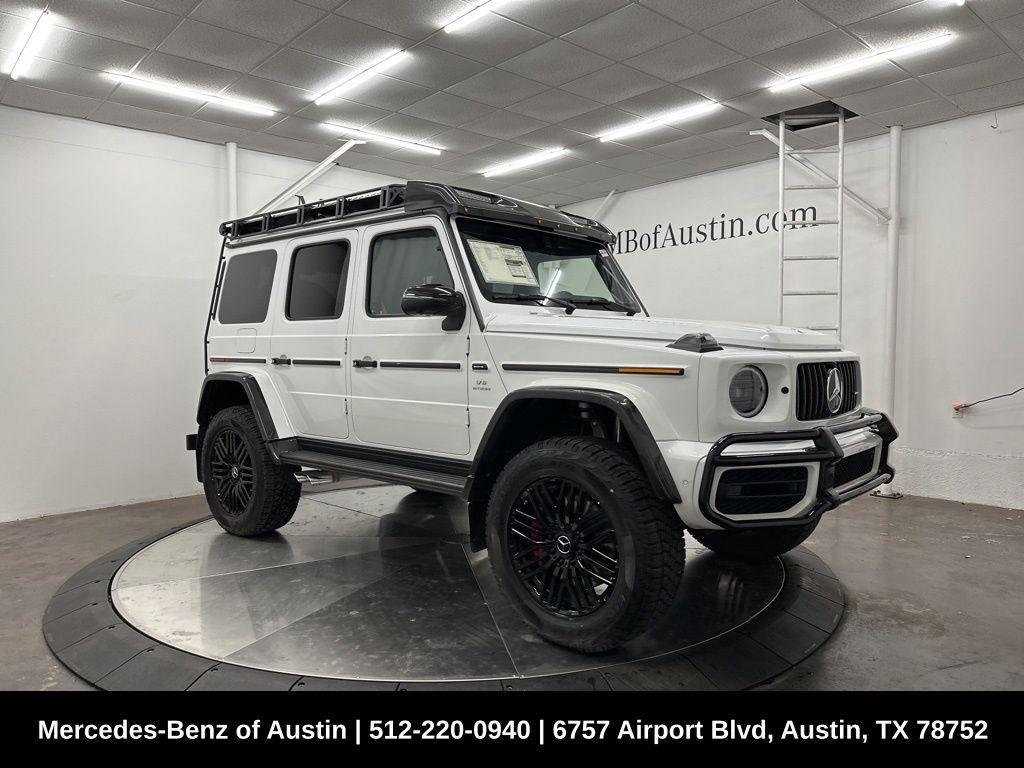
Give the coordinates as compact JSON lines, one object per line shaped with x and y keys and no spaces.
{"x":761,"y":490}
{"x":852,"y":467}
{"x":811,"y":384}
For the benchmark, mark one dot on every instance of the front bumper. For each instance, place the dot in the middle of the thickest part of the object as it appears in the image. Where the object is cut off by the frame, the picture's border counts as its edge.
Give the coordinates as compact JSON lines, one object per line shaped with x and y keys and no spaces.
{"x":837,"y":463}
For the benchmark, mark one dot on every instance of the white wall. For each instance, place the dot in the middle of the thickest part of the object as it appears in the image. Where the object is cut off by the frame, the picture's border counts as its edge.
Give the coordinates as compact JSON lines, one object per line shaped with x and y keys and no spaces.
{"x":108,"y":247}
{"x":961,"y":321}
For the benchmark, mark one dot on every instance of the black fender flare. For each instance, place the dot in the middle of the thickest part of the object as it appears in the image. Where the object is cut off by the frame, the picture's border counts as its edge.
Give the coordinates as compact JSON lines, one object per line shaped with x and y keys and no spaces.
{"x":651,"y":460}
{"x":209,"y":403}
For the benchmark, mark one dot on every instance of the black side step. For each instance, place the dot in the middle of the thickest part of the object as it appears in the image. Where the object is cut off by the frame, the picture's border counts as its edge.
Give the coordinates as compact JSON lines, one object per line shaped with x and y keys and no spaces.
{"x":418,"y":478}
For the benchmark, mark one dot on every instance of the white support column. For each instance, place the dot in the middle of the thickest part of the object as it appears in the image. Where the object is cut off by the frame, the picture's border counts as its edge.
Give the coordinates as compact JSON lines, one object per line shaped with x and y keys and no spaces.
{"x":231,"y":150}
{"x":892,"y":264}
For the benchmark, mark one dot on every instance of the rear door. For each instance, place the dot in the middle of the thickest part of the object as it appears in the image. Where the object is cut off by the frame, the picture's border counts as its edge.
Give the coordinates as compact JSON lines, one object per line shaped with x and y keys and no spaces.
{"x":308,"y":345}
{"x":408,"y":376}
{"x":241,"y":326}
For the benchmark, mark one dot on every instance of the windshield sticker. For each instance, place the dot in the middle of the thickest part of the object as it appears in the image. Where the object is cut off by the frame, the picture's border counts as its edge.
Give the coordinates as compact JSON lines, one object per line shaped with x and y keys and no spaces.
{"x":504,"y":264}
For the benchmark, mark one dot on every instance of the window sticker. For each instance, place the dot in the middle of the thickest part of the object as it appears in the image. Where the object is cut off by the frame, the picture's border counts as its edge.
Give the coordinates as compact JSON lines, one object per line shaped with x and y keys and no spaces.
{"x":501,"y":263}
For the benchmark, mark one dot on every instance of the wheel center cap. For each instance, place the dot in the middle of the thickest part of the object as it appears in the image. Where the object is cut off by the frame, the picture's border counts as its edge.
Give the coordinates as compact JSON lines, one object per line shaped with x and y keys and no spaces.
{"x":564,"y":544}
{"x":234,"y":473}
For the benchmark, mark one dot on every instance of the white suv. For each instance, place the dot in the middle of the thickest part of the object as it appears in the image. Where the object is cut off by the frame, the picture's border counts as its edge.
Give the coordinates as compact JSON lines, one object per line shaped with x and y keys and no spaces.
{"x":470,"y":344}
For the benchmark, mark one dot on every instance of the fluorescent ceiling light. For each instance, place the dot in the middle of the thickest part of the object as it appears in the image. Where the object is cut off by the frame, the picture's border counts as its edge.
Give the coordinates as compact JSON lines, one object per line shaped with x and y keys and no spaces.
{"x":360,"y":133}
{"x":385,"y":62}
{"x":29,"y":46}
{"x":656,"y":122}
{"x":482,"y":9}
{"x":188,"y":93}
{"x":525,"y":162}
{"x":864,"y":62}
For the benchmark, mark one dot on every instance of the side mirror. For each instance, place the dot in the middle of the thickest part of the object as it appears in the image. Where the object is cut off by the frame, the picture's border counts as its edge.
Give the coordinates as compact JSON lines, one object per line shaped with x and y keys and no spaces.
{"x":436,"y":300}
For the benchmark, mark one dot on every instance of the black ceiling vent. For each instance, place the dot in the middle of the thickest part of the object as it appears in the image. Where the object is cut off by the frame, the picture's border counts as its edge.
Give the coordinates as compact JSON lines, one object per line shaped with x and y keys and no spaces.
{"x":811,"y":116}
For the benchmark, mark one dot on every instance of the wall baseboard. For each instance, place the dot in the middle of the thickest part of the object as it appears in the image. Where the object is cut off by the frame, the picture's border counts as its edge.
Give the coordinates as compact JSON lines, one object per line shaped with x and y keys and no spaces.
{"x":966,"y":477}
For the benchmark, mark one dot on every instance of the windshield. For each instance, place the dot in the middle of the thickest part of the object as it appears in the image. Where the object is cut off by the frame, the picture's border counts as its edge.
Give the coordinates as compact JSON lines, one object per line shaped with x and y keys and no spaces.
{"x":513,"y":264}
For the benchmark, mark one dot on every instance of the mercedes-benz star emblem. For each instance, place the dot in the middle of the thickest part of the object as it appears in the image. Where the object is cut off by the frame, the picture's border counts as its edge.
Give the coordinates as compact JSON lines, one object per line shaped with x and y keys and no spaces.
{"x":834,"y":391}
{"x":564,"y":544}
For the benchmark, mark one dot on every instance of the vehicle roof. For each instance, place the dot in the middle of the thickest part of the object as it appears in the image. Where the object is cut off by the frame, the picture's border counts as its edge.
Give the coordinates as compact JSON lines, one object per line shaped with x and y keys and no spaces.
{"x":396,"y":201}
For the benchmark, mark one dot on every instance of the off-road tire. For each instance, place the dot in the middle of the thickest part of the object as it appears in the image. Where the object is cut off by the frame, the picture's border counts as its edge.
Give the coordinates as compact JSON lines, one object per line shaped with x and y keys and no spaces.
{"x":755,"y":544}
{"x":274,"y":490}
{"x":649,"y":539}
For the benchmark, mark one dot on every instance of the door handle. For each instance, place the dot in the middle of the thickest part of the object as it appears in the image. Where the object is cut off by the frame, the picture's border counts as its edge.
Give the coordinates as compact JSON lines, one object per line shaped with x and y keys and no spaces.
{"x":282,"y":360}
{"x":366,"y":362}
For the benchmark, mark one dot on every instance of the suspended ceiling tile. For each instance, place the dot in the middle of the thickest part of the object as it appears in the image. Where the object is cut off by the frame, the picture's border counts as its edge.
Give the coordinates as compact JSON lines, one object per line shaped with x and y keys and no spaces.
{"x":978,"y":74}
{"x":114,"y":19}
{"x":160,"y":102}
{"x":768,"y":102}
{"x":594,"y":151}
{"x":497,"y":88}
{"x":556,"y":62}
{"x":185,"y":73}
{"x":435,"y":68}
{"x":448,"y":109}
{"x":502,"y":124}
{"x":612,"y":84}
{"x":302,"y":129}
{"x":557,"y":18}
{"x":660,"y":101}
{"x":721,"y":117}
{"x":993,"y":10}
{"x":913,"y":22}
{"x":179,"y":7}
{"x":493,"y":40}
{"x":133,"y":117}
{"x":554,"y":105}
{"x":12,"y":29}
{"x":200,"y":130}
{"x":348,"y":41}
{"x":215,"y":113}
{"x":991,"y":97}
{"x":627,"y":181}
{"x":662,"y":134}
{"x":688,"y":146}
{"x":387,"y":93}
{"x":589,"y":172}
{"x":55,"y":76}
{"x":27,"y":97}
{"x":911,"y":116}
{"x":407,"y":127}
{"x":285,"y":98}
{"x":462,"y":141}
{"x":973,"y":44}
{"x":552,"y":136}
{"x":553,"y":183}
{"x":415,"y":19}
{"x":684,"y":58}
{"x":91,"y":51}
{"x":634,"y":161}
{"x":276,"y":20}
{"x":213,"y":45}
{"x":875,"y":76}
{"x":730,"y":81}
{"x":671,"y":171}
{"x":901,"y":94}
{"x":770,"y":27}
{"x":825,"y":50}
{"x":701,"y":14}
{"x":828,"y":135}
{"x":627,"y":32}
{"x":1012,"y":29}
{"x":303,"y":70}
{"x":599,"y":121}
{"x":738,"y":135}
{"x":847,"y":12}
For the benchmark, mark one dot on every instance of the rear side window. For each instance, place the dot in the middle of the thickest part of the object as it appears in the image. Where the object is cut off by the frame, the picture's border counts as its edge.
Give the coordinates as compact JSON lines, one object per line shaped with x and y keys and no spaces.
{"x":400,"y":260}
{"x":245,"y":295}
{"x":316,"y":287}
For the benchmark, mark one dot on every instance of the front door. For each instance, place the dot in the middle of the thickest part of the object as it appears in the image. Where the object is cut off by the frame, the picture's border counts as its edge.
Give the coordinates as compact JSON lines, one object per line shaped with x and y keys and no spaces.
{"x":408,"y":376}
{"x":308,"y":345}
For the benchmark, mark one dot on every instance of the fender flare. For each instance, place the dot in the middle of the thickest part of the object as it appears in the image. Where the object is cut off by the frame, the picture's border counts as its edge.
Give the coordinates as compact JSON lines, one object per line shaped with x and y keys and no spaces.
{"x":651,"y":460}
{"x":253,"y":394}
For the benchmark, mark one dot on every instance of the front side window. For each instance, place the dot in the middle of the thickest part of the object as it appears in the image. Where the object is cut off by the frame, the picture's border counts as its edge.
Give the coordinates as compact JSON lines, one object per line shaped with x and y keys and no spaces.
{"x":400,"y":260}
{"x":245,"y":295}
{"x":514,"y":264}
{"x":316,"y":286}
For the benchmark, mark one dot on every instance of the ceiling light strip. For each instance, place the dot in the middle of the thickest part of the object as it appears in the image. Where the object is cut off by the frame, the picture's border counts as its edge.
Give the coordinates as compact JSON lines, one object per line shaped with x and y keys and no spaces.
{"x":482,"y":9}
{"x":189,"y":93}
{"x":864,"y":62}
{"x":525,"y":162}
{"x":385,"y":62}
{"x":656,"y":122}
{"x":33,"y":41}
{"x":360,"y":133}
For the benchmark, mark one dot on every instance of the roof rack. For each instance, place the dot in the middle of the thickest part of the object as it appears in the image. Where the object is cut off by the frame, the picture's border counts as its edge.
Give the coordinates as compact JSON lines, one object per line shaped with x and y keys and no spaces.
{"x":415,"y":197}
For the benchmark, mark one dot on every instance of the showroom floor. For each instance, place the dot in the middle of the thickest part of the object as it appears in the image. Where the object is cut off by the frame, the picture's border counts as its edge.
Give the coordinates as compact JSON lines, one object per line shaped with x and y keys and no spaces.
{"x":933,"y":598}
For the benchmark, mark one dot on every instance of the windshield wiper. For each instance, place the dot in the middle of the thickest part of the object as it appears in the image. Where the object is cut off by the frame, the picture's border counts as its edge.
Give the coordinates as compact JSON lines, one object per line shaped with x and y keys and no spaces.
{"x":613,"y":305}
{"x":538,"y":297}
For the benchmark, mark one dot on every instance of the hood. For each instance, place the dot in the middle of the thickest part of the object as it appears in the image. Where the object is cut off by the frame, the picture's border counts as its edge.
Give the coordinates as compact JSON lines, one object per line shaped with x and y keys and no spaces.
{"x":599,"y":323}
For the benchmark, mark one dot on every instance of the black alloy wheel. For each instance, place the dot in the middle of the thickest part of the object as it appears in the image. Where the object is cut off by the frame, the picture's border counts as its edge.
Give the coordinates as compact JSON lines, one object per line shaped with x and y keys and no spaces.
{"x":232,"y":472}
{"x":563,"y":547}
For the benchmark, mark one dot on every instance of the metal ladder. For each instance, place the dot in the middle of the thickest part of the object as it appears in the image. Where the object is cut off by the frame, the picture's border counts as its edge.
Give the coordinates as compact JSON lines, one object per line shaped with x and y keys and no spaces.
{"x":785,"y":152}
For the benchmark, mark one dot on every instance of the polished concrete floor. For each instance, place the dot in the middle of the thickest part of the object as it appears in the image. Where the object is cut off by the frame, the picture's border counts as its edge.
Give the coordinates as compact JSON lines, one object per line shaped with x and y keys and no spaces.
{"x":933,"y":592}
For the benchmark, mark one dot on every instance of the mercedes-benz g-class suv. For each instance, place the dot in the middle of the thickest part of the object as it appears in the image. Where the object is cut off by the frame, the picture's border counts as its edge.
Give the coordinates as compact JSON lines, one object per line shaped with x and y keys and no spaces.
{"x":465,"y":343}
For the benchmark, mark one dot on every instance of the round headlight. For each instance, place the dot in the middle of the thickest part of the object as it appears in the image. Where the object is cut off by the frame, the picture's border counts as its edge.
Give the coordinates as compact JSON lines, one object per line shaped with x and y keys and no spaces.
{"x":748,"y":391}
